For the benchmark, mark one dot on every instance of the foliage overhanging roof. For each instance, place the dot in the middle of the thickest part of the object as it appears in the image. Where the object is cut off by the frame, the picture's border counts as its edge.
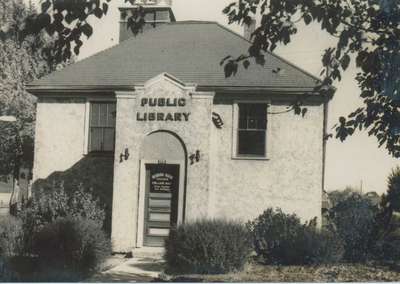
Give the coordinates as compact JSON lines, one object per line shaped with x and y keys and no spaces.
{"x":190,"y":51}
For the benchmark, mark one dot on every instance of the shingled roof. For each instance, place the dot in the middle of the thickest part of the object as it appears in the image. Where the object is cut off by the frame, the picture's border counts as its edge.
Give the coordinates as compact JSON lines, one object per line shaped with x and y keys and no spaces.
{"x":190,"y":51}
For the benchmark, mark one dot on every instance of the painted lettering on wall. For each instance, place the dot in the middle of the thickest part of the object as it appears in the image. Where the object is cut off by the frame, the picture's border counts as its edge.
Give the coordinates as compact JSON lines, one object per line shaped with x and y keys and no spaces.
{"x":161,"y":102}
{"x":160,"y":115}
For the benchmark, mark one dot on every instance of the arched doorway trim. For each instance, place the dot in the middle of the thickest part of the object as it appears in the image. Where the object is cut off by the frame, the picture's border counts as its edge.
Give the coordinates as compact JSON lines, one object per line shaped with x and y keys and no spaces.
{"x":165,"y":141}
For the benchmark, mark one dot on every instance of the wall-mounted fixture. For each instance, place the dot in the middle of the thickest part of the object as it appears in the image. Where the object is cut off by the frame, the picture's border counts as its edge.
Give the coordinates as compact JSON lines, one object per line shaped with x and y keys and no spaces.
{"x":278,"y":71}
{"x":124,"y":156}
{"x":217,"y":120}
{"x":194,"y":158}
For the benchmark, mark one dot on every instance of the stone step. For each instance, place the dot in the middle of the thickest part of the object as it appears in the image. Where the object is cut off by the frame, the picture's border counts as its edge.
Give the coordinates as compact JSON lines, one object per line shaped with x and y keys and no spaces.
{"x":148,"y":252}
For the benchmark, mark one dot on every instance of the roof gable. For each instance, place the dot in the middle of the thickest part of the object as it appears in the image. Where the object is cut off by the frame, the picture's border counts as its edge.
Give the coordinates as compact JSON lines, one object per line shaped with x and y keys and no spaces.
{"x":190,"y":51}
{"x":165,"y":77}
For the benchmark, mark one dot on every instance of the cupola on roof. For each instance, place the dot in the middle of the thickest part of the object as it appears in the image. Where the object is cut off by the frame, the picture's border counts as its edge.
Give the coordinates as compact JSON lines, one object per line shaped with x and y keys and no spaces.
{"x":156,"y":13}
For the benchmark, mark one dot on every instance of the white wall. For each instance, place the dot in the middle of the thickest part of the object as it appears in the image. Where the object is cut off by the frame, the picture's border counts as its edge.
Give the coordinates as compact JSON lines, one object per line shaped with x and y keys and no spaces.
{"x":59,"y":136}
{"x":217,"y":186}
{"x":291,"y":177}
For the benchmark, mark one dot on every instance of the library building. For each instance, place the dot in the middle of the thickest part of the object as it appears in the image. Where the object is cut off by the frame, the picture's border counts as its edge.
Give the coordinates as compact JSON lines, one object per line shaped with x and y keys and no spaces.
{"x":178,"y":139}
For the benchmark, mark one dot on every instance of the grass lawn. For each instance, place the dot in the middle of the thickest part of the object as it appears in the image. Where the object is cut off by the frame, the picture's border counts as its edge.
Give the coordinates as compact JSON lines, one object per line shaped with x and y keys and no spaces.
{"x":255,"y":272}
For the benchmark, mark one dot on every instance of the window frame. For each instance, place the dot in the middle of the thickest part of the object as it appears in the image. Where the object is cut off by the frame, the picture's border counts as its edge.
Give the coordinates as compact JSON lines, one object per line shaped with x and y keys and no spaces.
{"x":88,"y":110}
{"x":235,"y":131}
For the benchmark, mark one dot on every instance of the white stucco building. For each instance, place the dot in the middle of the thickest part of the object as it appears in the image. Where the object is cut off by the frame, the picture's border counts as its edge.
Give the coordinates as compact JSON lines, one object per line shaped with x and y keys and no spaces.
{"x":178,"y":139}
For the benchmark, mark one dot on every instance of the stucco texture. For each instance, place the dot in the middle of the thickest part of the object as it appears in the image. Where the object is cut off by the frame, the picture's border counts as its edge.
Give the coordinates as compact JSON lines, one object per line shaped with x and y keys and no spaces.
{"x":59,"y":135}
{"x":290,"y":177}
{"x":195,"y":136}
{"x":60,"y":155}
{"x":218,"y":185}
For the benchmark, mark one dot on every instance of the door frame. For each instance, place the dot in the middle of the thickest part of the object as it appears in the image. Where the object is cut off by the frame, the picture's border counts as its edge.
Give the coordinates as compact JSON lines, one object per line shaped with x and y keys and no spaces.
{"x":142,"y":195}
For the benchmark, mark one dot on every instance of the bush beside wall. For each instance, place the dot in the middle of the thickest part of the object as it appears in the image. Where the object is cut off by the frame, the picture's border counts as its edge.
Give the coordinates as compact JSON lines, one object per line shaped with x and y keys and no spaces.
{"x":11,"y":247}
{"x":58,"y":236}
{"x":387,"y":248}
{"x":66,"y":249}
{"x":354,"y":219}
{"x":11,"y":236}
{"x":73,"y":245}
{"x":49,"y":204}
{"x":281,"y":238}
{"x":92,"y":171}
{"x":207,"y":247}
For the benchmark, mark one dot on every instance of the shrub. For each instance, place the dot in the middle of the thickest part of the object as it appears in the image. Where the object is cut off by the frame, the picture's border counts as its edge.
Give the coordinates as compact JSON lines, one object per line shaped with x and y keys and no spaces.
{"x":11,"y":236}
{"x":320,"y":246}
{"x":387,"y":248}
{"x":391,"y":199}
{"x":354,"y":220}
{"x":92,"y":171}
{"x":207,"y":247}
{"x":16,"y":263}
{"x":337,"y":196}
{"x":57,"y":237}
{"x":51,"y":203}
{"x":73,"y":246}
{"x":11,"y":247}
{"x":280,"y":238}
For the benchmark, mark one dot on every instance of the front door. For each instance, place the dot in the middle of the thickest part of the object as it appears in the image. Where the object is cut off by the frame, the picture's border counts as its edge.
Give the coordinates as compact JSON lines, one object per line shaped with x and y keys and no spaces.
{"x":161,"y":202}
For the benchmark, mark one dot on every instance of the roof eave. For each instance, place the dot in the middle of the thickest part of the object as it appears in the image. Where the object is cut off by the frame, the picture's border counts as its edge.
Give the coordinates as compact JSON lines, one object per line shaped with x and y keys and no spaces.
{"x":42,"y":89}
{"x":45,"y":89}
{"x":256,"y":89}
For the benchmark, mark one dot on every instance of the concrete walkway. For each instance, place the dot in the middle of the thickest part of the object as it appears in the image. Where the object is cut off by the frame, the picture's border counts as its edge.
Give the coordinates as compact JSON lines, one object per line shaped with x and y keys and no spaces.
{"x":145,"y":265}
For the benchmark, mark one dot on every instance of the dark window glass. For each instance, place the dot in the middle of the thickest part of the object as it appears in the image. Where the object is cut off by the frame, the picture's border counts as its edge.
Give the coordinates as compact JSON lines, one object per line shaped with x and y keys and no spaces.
{"x":102,"y":127}
{"x":162,"y":15}
{"x":108,"y":139}
{"x":252,"y":129}
{"x":150,"y":17}
{"x":157,"y":16}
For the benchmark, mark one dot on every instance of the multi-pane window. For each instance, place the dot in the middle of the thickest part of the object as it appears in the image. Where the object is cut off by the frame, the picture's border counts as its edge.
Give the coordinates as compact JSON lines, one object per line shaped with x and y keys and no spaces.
{"x":157,"y":16}
{"x":102,"y":127}
{"x":251,"y":140}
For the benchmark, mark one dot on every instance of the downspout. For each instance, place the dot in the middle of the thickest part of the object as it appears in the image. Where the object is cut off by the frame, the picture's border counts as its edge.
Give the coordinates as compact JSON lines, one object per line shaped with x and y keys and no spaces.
{"x":324,"y":140}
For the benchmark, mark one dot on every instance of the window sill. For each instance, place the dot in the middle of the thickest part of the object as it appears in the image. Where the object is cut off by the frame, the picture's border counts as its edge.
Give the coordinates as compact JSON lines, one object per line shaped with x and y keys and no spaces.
{"x":255,"y":158}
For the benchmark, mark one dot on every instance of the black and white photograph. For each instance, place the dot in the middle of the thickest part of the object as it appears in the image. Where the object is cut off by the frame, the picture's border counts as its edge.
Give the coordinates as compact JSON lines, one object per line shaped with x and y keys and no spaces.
{"x":199,"y":141}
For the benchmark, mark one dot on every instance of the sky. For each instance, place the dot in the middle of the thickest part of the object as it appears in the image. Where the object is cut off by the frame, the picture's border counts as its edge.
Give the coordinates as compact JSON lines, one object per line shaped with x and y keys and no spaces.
{"x":358,"y":162}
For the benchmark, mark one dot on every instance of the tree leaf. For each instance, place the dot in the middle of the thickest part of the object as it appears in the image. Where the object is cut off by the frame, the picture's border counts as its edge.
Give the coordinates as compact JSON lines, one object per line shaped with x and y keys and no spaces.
{"x":345,"y":61}
{"x":45,"y":6}
{"x":343,"y":39}
{"x":260,"y":59}
{"x":227,"y":9}
{"x":87,"y":30}
{"x":224,"y":59}
{"x":98,"y":12}
{"x":42,"y":21}
{"x":76,"y":49}
{"x":69,"y":18}
{"x":230,"y":68}
{"x":246,"y":64}
{"x":307,"y":19}
{"x":105,"y":8}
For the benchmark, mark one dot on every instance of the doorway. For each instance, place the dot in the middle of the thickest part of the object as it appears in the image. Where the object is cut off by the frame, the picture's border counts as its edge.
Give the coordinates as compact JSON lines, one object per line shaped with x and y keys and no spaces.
{"x":161,"y":202}
{"x":162,"y":187}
